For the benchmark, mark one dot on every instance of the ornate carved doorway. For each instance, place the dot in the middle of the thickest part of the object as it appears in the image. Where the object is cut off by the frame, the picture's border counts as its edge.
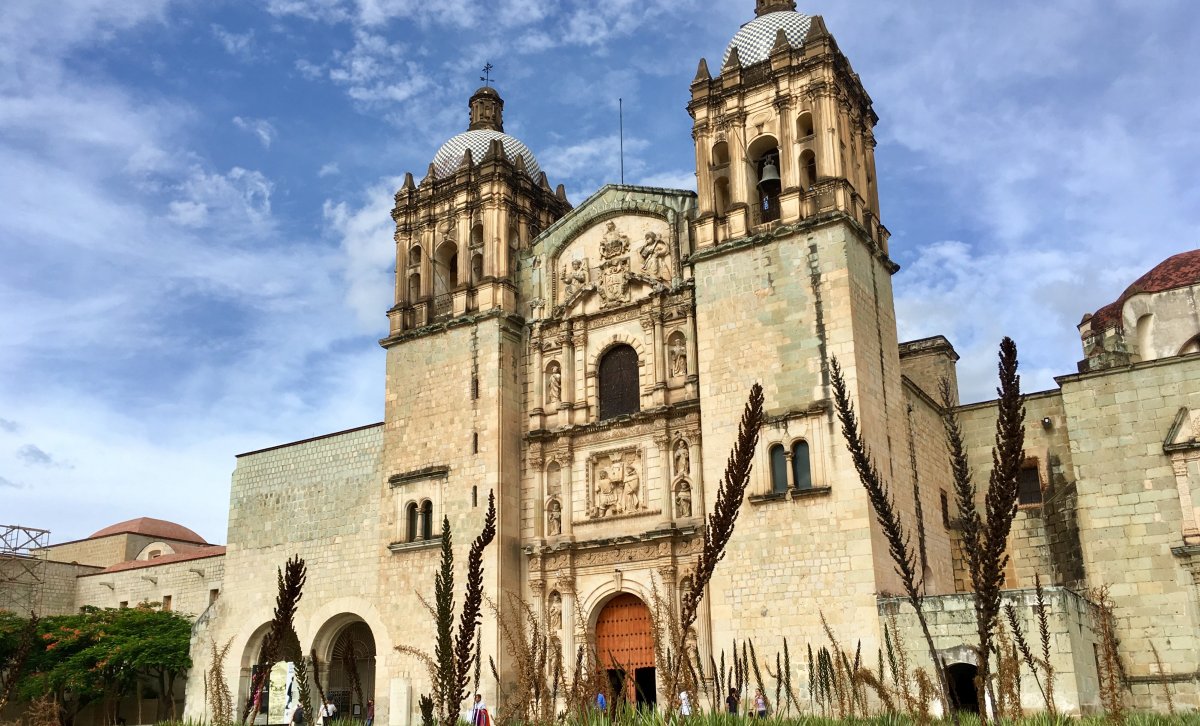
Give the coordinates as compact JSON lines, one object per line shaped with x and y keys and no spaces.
{"x":625,"y":645}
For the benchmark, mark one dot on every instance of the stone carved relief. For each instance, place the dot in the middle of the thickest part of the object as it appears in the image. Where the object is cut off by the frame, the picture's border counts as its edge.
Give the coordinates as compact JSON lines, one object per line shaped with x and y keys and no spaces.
{"x":553,"y":383}
{"x":616,"y":483}
{"x":575,"y":277}
{"x":621,"y":261}
{"x":656,"y":257}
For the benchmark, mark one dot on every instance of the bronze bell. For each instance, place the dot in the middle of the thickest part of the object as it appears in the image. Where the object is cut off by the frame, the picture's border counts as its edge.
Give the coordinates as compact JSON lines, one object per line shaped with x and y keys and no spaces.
{"x":770,"y":173}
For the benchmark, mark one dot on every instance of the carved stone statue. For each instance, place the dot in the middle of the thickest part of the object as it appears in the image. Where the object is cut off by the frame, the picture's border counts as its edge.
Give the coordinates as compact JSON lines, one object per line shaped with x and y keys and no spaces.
{"x":654,"y":253}
{"x":575,"y":277}
{"x":678,"y":351}
{"x":633,"y":497}
{"x":553,"y":384}
{"x":614,"y":242}
{"x":683,"y":464}
{"x":553,"y":518}
{"x":683,"y":499}
{"x":554,"y":614}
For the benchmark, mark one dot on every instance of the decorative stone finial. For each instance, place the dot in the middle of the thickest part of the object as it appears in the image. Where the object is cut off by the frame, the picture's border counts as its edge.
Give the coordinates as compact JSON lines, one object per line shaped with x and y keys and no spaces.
{"x":816,"y":29}
{"x":734,"y":60}
{"x":782,"y":45}
{"x":408,"y":181}
{"x":773,"y":6}
{"x":702,"y":73}
{"x":487,"y":110}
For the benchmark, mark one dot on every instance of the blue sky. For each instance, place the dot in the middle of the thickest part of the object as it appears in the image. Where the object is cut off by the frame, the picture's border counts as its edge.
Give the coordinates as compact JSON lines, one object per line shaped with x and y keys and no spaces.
{"x":195,"y":242}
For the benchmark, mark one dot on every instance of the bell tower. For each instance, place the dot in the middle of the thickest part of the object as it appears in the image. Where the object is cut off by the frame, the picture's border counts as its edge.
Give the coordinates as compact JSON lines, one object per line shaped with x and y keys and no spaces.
{"x":784,"y":132}
{"x":793,"y":271}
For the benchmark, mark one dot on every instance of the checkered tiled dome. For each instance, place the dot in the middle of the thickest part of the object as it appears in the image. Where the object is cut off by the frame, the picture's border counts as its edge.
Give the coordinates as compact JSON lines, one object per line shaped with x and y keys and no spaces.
{"x":756,"y":37}
{"x":450,"y":156}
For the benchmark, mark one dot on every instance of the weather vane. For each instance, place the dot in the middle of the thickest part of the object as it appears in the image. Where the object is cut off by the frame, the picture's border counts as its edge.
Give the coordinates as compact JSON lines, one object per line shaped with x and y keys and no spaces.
{"x":487,"y":75}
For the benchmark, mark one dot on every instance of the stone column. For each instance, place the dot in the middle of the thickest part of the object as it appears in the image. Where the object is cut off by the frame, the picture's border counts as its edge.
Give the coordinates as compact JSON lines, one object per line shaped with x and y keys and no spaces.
{"x":539,"y":385}
{"x":538,"y":589}
{"x":566,"y":588}
{"x":667,"y":476}
{"x":497,"y":263}
{"x":693,"y":378}
{"x":567,"y":392}
{"x":537,"y":463}
{"x":568,"y":496}
{"x":579,"y":380}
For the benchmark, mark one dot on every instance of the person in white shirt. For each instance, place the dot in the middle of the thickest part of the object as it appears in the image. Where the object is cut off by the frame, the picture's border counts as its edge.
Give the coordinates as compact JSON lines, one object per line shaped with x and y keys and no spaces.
{"x":328,"y":711}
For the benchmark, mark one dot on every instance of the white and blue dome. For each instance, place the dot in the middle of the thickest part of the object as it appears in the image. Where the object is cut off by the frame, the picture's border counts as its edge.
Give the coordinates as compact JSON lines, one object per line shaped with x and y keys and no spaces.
{"x":756,"y":38}
{"x":450,"y":156}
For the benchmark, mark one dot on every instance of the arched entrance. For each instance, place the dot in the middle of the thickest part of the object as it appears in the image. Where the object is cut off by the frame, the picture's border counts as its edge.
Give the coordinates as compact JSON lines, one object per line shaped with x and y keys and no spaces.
{"x":961,"y":678}
{"x":350,"y":674}
{"x":625,"y":646}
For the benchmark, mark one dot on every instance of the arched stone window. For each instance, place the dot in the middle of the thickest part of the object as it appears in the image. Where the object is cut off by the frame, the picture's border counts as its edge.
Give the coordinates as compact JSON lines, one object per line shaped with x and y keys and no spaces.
{"x":414,"y":287}
{"x":477,"y":235}
{"x":801,"y":469}
{"x":720,"y":154}
{"x":779,"y":472}
{"x":414,"y":256}
{"x":445,"y":268}
{"x":476,"y":268}
{"x":721,"y":196}
{"x":808,"y":169}
{"x":618,"y":382}
{"x":1192,"y":346}
{"x":412,"y":518}
{"x":427,"y":520}
{"x":804,"y":125}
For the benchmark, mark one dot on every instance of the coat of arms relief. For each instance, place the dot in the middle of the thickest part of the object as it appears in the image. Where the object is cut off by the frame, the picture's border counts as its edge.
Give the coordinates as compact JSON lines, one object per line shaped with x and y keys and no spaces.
{"x":620,"y":264}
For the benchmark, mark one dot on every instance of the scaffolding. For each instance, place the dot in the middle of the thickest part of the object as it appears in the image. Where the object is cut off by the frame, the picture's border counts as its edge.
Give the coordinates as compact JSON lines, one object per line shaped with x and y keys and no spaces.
{"x":22,"y":568}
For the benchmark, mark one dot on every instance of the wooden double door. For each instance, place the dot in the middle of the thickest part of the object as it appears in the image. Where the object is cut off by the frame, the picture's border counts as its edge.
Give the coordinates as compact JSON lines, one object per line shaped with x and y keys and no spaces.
{"x":625,"y":646}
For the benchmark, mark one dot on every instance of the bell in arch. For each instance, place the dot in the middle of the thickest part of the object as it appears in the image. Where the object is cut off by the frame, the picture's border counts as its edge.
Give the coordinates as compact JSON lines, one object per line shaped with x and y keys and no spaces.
{"x":769,"y":178}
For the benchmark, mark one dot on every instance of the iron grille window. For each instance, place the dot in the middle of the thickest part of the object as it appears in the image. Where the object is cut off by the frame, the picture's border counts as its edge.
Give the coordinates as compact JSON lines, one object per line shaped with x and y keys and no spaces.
{"x":1029,"y":486}
{"x":619,"y":385}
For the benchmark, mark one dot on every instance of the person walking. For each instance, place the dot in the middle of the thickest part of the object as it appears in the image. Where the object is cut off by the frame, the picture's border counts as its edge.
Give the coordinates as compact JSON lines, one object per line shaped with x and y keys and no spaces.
{"x":685,"y":704}
{"x":601,"y":702}
{"x":328,"y":711}
{"x":370,"y":712}
{"x":760,"y":704}
{"x":479,"y":713}
{"x":731,"y":701}
{"x":297,"y":717}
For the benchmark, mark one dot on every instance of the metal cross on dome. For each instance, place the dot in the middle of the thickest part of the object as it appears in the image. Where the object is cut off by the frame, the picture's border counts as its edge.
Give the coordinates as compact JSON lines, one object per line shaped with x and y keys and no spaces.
{"x":487,"y":75}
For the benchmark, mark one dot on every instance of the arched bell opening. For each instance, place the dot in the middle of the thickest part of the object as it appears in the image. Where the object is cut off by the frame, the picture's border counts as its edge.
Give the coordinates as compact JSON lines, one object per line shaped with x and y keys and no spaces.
{"x":445,"y":269}
{"x":808,"y":169}
{"x":625,"y":647}
{"x":763,"y":155}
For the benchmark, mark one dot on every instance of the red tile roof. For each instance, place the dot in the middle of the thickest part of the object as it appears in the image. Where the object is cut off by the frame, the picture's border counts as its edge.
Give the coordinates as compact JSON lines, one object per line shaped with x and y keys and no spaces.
{"x":1179,"y":270}
{"x":159,"y":528}
{"x":200,"y":554}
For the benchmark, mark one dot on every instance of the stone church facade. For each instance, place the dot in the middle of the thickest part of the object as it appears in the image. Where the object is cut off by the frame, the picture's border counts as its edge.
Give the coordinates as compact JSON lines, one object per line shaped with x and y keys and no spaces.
{"x":588,"y":365}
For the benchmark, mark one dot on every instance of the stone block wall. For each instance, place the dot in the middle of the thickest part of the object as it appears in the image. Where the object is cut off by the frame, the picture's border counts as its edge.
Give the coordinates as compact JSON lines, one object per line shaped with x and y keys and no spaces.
{"x":191,"y":584}
{"x":318,"y":499}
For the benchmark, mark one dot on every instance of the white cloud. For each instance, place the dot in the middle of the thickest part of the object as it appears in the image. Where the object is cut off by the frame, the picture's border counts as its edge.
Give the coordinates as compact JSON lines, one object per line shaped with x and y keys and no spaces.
{"x":368,"y":248}
{"x":329,"y":169}
{"x":678,"y":179}
{"x":238,"y":45}
{"x":9,"y":484}
{"x":11,"y":427}
{"x":257,"y":126}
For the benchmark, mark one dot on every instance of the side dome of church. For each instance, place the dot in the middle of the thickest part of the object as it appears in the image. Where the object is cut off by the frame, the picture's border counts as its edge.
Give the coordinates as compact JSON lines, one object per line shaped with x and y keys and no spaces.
{"x":1155,"y":317}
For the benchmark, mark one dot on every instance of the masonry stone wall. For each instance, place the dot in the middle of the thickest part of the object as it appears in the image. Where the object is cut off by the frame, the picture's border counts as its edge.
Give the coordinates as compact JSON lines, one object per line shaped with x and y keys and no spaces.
{"x":318,"y":499}
{"x":192,"y":585}
{"x":1130,"y":517}
{"x":951,"y":620}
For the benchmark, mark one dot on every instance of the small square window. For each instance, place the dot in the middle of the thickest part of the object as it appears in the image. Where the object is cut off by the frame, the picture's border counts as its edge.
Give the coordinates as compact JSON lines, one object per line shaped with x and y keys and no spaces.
{"x":124,"y":604}
{"x":213,"y":594}
{"x":166,"y":603}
